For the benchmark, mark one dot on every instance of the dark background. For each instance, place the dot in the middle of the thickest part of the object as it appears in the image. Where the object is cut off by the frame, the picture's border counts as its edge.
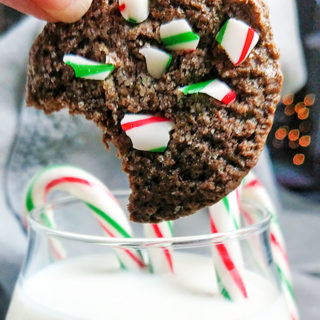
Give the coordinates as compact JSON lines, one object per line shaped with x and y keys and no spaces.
{"x":295,"y":148}
{"x":7,"y":17}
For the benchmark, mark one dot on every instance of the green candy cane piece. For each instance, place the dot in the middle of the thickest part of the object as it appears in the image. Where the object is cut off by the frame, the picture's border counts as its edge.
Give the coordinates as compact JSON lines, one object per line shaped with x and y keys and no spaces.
{"x":88,"y":69}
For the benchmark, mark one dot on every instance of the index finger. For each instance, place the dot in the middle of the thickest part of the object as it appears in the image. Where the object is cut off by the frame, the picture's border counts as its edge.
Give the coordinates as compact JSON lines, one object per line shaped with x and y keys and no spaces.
{"x":52,"y":10}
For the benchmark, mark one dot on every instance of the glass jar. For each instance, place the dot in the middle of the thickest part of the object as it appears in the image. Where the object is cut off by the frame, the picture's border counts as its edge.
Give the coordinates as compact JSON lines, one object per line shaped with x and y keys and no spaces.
{"x":89,"y":282}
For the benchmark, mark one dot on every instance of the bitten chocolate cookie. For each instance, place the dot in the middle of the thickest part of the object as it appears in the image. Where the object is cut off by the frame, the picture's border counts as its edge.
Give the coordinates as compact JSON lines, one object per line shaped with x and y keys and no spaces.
{"x":185,"y":89}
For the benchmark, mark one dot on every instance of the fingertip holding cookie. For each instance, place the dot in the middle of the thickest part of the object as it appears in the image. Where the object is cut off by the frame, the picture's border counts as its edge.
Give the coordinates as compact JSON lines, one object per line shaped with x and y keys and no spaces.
{"x":65,"y":10}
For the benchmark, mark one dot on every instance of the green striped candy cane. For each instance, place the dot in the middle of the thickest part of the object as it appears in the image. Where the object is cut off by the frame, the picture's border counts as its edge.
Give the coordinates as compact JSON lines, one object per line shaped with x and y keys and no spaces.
{"x":227,"y":257}
{"x":161,"y":258}
{"x":178,"y":35}
{"x":252,"y":190}
{"x":214,"y":88}
{"x":88,"y":69}
{"x":95,"y":195}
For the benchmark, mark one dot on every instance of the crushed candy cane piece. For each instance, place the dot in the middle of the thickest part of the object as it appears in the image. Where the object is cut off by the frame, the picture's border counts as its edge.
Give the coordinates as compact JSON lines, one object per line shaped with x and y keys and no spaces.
{"x":147,"y":132}
{"x":214,"y":88}
{"x":178,"y":35}
{"x":88,"y":69}
{"x":238,"y":40}
{"x":158,"y":61}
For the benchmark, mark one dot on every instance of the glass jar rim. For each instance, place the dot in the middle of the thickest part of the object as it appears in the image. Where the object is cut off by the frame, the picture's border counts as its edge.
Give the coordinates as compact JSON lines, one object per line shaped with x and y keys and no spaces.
{"x":139,"y":242}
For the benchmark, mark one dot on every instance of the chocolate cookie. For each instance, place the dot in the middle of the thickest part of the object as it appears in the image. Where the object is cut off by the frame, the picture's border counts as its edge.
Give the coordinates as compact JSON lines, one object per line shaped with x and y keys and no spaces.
{"x":185,"y":89}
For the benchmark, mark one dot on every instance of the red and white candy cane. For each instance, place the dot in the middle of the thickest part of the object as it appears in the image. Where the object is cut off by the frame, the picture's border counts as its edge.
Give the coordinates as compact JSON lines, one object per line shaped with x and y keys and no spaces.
{"x":134,"y":11}
{"x":238,"y":40}
{"x":95,"y":195}
{"x":161,"y":258}
{"x":252,"y":190}
{"x":147,"y":132}
{"x":178,"y":35}
{"x":214,"y":88}
{"x":225,"y":217}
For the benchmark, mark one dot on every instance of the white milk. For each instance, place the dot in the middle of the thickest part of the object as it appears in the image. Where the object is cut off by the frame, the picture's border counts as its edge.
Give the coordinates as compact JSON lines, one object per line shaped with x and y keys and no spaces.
{"x":93,"y":288}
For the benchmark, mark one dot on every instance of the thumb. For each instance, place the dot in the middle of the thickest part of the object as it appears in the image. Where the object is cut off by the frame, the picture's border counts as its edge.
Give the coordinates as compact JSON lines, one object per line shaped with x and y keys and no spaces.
{"x":64,"y":10}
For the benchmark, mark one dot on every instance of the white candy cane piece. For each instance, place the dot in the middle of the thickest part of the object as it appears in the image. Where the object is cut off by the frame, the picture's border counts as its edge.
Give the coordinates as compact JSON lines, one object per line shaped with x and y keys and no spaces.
{"x":225,"y":217}
{"x":158,"y":61}
{"x":147,"y":132}
{"x":134,"y":11}
{"x":214,"y":88}
{"x":88,"y":69}
{"x":161,"y":259}
{"x":178,"y":35}
{"x":95,"y":195}
{"x":238,"y":40}
{"x":253,"y":191}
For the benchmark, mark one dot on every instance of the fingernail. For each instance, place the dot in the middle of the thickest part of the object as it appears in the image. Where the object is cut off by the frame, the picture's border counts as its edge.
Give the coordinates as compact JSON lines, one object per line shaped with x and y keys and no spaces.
{"x":69,"y":10}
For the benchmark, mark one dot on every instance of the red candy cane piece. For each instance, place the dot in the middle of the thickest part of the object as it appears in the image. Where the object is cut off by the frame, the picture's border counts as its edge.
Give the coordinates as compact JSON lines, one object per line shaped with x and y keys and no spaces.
{"x":147,"y":132}
{"x":238,"y":40}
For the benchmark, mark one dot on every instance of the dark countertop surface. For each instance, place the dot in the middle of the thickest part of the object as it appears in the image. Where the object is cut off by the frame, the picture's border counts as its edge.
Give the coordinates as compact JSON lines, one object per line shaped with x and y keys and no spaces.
{"x":8,"y":17}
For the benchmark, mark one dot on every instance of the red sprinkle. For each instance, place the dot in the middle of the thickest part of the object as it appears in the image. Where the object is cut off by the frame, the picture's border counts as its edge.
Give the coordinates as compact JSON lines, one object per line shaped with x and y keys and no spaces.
{"x":122,"y":7}
{"x":189,"y":51}
{"x":228,"y":98}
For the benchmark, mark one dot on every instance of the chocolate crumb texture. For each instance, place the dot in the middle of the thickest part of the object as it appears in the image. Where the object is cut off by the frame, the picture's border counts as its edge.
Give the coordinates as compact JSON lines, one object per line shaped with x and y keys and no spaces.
{"x":212,"y":145}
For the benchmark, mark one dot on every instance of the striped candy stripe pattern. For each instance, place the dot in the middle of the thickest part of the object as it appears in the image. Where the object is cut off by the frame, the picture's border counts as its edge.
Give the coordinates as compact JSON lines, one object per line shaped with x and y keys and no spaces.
{"x":158,"y":61}
{"x":178,"y":35}
{"x":225,"y":217}
{"x":254,"y":243}
{"x":94,"y":194}
{"x":254,"y":192}
{"x":134,"y":11}
{"x":147,"y":132}
{"x":161,"y":259}
{"x":88,"y":69}
{"x":238,"y":40}
{"x":214,"y":88}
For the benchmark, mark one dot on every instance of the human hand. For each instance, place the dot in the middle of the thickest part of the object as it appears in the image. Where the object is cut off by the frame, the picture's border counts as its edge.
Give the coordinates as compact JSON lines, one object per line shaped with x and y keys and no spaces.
{"x":51,"y":10}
